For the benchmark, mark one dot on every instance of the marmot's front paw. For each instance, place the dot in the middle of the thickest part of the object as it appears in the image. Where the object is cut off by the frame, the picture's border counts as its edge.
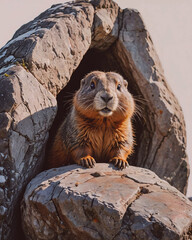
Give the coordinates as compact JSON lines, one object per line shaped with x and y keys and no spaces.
{"x":119,"y":162}
{"x":87,"y":161}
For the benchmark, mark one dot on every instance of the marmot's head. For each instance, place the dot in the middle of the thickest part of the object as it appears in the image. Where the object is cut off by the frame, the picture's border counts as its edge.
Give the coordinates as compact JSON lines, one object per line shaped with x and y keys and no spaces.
{"x":104,"y":95}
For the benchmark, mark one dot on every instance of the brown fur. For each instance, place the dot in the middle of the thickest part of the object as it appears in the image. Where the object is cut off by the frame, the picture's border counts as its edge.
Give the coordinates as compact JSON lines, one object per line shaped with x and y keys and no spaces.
{"x":91,"y":133}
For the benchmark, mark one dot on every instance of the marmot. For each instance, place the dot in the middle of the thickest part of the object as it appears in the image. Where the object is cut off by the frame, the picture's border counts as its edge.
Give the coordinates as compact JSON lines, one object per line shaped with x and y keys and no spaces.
{"x":98,"y":127}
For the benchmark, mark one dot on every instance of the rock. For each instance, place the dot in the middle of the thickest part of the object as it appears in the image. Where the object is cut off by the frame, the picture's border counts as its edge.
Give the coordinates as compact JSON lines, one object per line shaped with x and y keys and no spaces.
{"x":50,"y":59}
{"x":30,"y":112}
{"x":47,"y":57}
{"x":2,"y":180}
{"x":104,"y":203}
{"x":105,"y":25}
{"x":1,"y":195}
{"x":164,"y":123}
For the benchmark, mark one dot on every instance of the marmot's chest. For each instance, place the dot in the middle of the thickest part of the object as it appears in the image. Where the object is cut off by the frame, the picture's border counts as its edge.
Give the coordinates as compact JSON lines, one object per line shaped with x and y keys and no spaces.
{"x":103,"y":141}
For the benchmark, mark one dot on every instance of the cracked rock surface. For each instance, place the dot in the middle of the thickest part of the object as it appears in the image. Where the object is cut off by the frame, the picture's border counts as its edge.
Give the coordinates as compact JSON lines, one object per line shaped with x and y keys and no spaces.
{"x":40,"y":60}
{"x":104,"y":203}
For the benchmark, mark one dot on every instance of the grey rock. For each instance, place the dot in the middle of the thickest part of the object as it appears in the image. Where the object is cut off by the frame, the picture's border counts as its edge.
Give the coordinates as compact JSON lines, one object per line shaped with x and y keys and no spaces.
{"x":164,"y":122}
{"x":105,"y":26}
{"x":104,"y":203}
{"x":46,"y":54}
{"x":1,"y":195}
{"x":5,"y":121}
{"x":52,"y":61}
{"x":2,"y":180}
{"x":30,"y":113}
{"x":3,"y":211}
{"x":6,"y":98}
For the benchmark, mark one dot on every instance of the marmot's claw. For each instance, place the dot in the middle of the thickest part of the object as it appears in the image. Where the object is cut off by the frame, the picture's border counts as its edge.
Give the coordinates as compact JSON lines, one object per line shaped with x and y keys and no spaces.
{"x":87,"y":162}
{"x":119,"y":162}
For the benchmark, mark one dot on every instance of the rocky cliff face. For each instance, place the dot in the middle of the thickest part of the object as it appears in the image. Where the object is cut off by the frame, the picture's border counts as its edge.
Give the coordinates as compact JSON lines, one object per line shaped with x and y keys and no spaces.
{"x":47,"y":58}
{"x":103,"y":203}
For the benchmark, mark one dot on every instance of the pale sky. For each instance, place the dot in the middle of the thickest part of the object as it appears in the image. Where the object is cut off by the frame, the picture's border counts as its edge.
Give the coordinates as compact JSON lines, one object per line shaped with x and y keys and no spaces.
{"x":169,"y":23}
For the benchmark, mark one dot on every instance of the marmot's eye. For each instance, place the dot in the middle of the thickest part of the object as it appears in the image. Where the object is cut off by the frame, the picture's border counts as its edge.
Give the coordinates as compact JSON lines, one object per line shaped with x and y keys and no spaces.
{"x":92,"y":85}
{"x":119,"y":87}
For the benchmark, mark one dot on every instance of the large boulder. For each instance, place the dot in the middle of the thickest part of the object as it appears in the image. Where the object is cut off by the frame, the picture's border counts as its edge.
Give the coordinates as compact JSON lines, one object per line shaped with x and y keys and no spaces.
{"x":104,"y":203}
{"x":27,"y":112}
{"x":46,"y":58}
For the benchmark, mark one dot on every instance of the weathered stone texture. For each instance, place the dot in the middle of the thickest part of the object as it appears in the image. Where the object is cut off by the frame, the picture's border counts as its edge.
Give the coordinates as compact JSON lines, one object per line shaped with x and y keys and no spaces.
{"x":30,"y":112}
{"x":39,"y":61}
{"x":54,"y":43}
{"x":104,"y":203}
{"x":164,"y":122}
{"x":61,"y":49}
{"x":106,"y":25}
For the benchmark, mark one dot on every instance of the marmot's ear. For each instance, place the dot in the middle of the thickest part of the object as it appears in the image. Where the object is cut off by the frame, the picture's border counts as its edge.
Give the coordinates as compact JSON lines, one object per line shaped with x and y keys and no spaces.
{"x":125,"y":83}
{"x":82,"y":81}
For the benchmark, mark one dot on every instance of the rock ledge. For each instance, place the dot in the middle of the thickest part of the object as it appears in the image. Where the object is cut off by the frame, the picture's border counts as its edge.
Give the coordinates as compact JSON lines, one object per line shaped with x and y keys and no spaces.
{"x":104,"y":203}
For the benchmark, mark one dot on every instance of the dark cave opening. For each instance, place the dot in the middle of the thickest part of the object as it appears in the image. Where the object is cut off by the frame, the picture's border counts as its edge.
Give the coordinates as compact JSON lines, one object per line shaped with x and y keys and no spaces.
{"x":105,"y":61}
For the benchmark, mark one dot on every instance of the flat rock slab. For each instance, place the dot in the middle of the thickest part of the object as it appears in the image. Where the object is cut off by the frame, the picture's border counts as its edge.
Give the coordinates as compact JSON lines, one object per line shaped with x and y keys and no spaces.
{"x":104,"y":203}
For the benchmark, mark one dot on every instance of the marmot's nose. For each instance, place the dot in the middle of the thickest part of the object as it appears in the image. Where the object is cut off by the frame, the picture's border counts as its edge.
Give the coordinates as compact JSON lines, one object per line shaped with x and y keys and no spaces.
{"x":106,"y":97}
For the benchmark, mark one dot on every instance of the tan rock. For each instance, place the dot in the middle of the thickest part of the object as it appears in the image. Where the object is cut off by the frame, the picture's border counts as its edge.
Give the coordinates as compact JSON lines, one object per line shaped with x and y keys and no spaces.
{"x":104,"y":203}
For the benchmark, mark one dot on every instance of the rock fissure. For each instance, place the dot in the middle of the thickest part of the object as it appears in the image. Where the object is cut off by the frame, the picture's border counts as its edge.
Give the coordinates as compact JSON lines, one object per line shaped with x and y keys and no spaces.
{"x":22,"y":98}
{"x":25,"y":136}
{"x":139,"y":193}
{"x":127,"y":176}
{"x":58,"y":211}
{"x":158,"y":148}
{"x":173,"y":225}
{"x":147,"y":152}
{"x":120,"y":22}
{"x":54,"y":185}
{"x":92,"y":202}
{"x":89,"y":179}
{"x":67,"y":175}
